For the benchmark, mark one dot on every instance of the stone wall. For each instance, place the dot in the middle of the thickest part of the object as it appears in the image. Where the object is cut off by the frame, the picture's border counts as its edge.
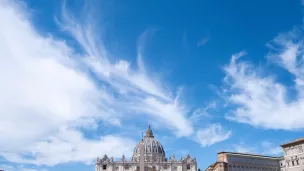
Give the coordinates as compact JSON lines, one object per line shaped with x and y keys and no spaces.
{"x":183,"y":164}
{"x":244,"y":162}
{"x":293,"y":159}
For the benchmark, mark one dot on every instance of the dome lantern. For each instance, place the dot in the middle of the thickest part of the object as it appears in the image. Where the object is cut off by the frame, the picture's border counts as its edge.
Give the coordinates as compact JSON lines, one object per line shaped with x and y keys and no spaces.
{"x":149,"y":132}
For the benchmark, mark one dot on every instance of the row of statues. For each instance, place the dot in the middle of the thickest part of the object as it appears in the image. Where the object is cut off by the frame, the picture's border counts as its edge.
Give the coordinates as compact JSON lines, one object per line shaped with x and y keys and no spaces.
{"x":188,"y":159}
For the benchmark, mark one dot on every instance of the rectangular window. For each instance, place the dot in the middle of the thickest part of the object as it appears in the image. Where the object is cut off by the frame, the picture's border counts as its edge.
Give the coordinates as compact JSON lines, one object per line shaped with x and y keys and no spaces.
{"x":137,"y":168}
{"x":116,"y":168}
{"x":104,"y":167}
{"x":175,"y":168}
{"x":188,"y":167}
{"x":127,"y":167}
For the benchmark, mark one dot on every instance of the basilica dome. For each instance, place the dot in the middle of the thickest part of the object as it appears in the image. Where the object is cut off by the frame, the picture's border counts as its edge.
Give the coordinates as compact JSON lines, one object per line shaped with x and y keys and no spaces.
{"x":154,"y":151}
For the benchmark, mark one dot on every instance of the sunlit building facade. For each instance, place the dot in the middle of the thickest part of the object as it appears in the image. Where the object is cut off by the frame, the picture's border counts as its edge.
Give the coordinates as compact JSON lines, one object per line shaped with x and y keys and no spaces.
{"x":230,"y":161}
{"x":154,"y":159}
{"x":293,"y":159}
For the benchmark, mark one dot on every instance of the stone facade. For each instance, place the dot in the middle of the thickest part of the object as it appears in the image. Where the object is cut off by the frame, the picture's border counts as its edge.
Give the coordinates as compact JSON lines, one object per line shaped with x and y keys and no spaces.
{"x":154,"y":159}
{"x":293,"y":159}
{"x":229,"y":161}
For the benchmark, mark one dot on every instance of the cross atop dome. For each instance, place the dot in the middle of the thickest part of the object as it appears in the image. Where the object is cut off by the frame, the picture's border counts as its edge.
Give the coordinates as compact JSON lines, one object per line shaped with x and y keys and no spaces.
{"x":149,"y":132}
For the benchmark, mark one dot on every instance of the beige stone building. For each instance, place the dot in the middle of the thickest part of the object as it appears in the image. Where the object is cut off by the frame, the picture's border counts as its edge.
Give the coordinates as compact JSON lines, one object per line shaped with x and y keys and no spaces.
{"x":230,"y":161}
{"x":154,"y":159}
{"x":293,"y":159}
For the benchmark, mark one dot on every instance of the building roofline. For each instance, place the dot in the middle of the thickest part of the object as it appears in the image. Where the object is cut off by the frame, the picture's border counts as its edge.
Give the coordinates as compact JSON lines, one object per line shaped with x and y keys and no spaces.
{"x":248,"y":154}
{"x":297,"y":141}
{"x":213,"y":165}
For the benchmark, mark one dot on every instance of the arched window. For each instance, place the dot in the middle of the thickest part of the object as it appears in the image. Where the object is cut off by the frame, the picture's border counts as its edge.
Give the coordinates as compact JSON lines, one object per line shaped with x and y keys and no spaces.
{"x":165,"y":167}
{"x":188,"y":167}
{"x":297,"y":161}
{"x":104,"y":167}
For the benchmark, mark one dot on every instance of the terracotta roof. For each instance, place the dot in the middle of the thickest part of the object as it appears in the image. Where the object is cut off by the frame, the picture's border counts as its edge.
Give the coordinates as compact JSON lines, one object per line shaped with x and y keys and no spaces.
{"x":248,"y":154}
{"x":293,"y":142}
{"x":212,"y":165}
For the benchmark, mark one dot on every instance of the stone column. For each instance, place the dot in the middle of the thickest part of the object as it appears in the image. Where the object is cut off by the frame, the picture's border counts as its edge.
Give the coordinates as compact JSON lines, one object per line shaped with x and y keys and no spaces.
{"x":141,"y":157}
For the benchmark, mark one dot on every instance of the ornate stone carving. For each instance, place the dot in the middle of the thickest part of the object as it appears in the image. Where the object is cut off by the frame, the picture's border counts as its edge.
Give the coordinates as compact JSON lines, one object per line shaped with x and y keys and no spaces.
{"x":172,"y":158}
{"x":154,"y":151}
{"x":300,"y":148}
{"x":123,"y":158}
{"x":189,"y":160}
{"x":154,"y":155}
{"x":104,"y":160}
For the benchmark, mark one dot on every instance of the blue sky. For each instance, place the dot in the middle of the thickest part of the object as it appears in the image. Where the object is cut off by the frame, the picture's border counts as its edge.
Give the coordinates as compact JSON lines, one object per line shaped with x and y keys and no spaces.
{"x":80,"y":79}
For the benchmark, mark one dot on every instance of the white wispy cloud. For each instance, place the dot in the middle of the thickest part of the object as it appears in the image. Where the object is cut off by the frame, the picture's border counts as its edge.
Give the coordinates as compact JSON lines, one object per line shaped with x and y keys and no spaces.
{"x":43,"y":90}
{"x":263,"y":148}
{"x":18,"y":168}
{"x":136,"y":88}
{"x":212,"y":134}
{"x":202,"y":113}
{"x":203,"y":41}
{"x":259,"y":98}
{"x":271,"y":148}
{"x":47,"y":93}
{"x":69,"y":145}
{"x":6,"y":167}
{"x":241,"y":148}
